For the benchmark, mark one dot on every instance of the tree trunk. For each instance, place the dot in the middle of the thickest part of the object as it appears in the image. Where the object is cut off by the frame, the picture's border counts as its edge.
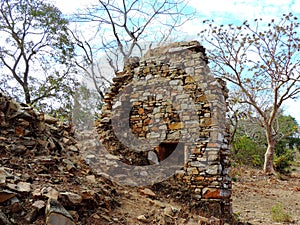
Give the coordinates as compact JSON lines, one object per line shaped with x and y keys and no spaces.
{"x":27,"y":95}
{"x":269,"y":155}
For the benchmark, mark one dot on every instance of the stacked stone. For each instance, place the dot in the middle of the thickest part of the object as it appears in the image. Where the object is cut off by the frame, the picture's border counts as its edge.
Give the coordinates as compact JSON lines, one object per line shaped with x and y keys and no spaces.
{"x":104,"y":127}
{"x":168,"y":95}
{"x":144,"y":76}
{"x":26,"y":131}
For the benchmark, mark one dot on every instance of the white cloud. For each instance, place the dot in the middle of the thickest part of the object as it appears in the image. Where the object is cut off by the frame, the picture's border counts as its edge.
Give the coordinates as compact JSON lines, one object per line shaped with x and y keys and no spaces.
{"x":295,"y":6}
{"x":292,"y":107}
{"x":71,"y":6}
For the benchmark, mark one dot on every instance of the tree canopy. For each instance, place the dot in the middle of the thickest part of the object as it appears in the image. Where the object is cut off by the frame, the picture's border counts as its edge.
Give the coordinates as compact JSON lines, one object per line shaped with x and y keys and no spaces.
{"x":35,"y":51}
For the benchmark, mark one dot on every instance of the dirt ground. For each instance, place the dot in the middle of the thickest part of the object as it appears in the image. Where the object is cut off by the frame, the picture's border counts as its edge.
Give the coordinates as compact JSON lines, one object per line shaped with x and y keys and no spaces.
{"x":254,"y":195}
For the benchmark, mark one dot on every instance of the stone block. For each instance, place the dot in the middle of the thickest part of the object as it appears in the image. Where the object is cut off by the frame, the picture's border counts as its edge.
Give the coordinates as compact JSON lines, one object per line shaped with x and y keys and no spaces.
{"x":192,"y":170}
{"x":198,"y":164}
{"x":57,"y":214}
{"x":176,"y":126}
{"x":213,"y":170}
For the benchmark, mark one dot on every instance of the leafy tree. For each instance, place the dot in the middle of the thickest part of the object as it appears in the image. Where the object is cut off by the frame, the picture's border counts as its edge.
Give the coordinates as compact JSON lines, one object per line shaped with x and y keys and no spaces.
{"x":35,"y":53}
{"x":250,"y":141}
{"x":287,"y":145}
{"x":261,"y":60}
{"x":246,"y":151}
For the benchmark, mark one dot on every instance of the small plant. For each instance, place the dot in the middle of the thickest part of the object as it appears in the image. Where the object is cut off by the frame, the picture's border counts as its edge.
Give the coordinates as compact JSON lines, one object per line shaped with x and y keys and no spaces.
{"x":236,"y":216}
{"x":256,"y":160}
{"x":279,"y":215}
{"x":234,"y":179}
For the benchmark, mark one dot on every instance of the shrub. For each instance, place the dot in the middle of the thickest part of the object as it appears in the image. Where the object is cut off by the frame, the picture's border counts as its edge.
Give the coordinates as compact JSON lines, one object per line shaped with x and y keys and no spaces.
{"x":247,"y":152}
{"x":283,"y":162}
{"x":279,"y":215}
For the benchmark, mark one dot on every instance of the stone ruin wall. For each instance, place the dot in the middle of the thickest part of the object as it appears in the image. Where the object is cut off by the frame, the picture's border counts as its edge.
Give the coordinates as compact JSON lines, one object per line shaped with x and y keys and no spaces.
{"x":168,"y":94}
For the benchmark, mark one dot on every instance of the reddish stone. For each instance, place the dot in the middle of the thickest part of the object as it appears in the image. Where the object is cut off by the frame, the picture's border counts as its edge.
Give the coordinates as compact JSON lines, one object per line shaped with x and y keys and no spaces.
{"x":201,"y":98}
{"x":213,"y":145}
{"x":199,"y":178}
{"x":211,"y":193}
{"x":148,"y":121}
{"x":6,"y":195}
{"x":141,"y":111}
{"x":215,"y":194}
{"x":19,"y":131}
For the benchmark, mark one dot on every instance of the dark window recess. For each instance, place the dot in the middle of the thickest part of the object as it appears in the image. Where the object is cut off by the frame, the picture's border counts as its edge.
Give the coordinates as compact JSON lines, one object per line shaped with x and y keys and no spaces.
{"x":165,"y":149}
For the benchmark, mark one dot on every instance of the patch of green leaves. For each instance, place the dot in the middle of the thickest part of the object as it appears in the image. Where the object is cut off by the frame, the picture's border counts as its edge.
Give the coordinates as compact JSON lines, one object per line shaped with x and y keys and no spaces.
{"x":279,"y":214}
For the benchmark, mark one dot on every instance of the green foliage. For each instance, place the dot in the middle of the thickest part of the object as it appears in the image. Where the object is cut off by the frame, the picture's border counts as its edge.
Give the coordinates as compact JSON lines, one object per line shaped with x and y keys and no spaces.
{"x":290,"y":142}
{"x":250,"y":143}
{"x":284,"y":161}
{"x":37,"y":54}
{"x":279,"y":214}
{"x":247,"y":152}
{"x":257,"y":160}
{"x":286,"y":145}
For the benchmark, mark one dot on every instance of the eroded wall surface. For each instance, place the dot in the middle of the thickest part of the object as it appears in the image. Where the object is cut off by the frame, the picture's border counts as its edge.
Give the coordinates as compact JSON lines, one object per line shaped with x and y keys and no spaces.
{"x":168,"y":109}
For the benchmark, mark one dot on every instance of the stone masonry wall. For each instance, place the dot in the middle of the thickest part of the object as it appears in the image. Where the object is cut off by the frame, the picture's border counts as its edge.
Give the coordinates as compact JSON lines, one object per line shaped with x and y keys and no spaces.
{"x":167,"y":108}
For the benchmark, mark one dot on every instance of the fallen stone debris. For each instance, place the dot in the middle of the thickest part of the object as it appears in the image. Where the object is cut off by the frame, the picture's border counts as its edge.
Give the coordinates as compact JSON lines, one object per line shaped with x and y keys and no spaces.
{"x":43,"y":178}
{"x":52,"y":174}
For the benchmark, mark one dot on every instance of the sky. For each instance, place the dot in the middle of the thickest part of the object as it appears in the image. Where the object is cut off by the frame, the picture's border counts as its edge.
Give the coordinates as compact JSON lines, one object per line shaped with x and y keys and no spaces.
{"x":222,"y":12}
{"x":229,"y":10}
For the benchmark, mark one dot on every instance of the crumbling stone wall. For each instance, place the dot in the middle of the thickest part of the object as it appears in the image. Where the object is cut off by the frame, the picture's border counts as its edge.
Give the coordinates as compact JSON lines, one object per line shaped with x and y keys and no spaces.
{"x":167,"y":106}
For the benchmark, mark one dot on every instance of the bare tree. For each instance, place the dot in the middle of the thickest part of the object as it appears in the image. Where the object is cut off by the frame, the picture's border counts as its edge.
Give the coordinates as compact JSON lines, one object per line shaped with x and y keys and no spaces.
{"x":90,"y":65}
{"x":262,"y":61}
{"x":126,"y":26}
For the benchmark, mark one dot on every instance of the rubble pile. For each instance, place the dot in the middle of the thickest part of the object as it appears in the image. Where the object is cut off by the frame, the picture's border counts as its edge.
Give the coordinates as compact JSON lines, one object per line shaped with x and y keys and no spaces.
{"x":167,"y":103}
{"x":143,"y":205}
{"x":43,"y":178}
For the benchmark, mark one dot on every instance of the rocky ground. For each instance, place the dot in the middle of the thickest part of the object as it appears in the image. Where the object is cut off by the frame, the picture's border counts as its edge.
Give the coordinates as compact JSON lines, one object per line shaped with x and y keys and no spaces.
{"x":254,"y":195}
{"x":45,"y":179}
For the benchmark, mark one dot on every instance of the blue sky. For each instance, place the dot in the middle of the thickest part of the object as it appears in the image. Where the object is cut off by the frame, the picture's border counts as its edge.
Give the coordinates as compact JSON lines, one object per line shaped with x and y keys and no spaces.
{"x":222,"y":12}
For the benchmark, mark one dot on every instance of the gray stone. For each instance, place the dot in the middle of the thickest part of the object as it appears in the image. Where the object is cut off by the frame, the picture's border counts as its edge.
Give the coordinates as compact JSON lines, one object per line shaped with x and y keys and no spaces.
{"x":69,"y":165}
{"x":75,"y":199}
{"x":24,"y":187}
{"x":57,"y":214}
{"x":213,"y":170}
{"x":198,"y":164}
{"x":152,"y":157}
